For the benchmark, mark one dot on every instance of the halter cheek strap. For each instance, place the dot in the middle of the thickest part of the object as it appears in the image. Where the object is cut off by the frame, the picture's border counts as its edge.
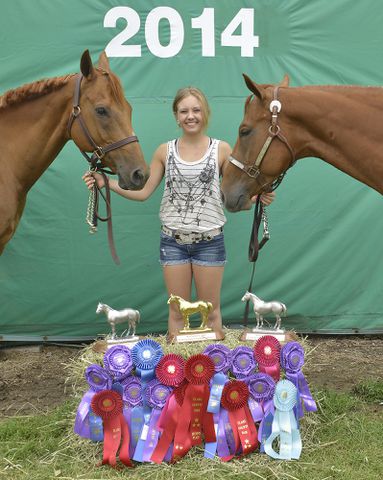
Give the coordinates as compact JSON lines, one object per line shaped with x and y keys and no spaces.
{"x":274,"y":131}
{"x":99,"y":152}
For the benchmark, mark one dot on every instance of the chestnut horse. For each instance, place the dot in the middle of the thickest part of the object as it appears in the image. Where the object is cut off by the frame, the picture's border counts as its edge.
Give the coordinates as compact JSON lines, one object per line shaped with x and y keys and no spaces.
{"x":37,"y":119}
{"x":338,"y":124}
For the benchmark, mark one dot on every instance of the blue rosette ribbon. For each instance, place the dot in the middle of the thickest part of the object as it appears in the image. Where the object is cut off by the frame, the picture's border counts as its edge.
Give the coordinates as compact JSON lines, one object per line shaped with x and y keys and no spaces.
{"x":243,"y":362}
{"x":87,"y":424}
{"x":118,"y":362}
{"x":146,"y":354}
{"x":292,"y":361}
{"x":133,"y":409}
{"x":285,"y":424}
{"x":156,"y":396}
{"x":221,"y":356}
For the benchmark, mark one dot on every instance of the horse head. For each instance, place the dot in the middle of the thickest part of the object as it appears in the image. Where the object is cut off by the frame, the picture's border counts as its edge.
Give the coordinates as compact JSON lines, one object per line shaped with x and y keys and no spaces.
{"x":100,"y":307}
{"x":108,"y":119}
{"x":173,"y":298}
{"x":260,"y":154}
{"x":245,"y":297}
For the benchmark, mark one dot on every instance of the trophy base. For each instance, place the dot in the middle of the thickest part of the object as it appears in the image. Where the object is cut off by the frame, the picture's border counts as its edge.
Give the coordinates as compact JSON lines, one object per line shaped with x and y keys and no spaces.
{"x":189,"y":336}
{"x":128,"y":341}
{"x":281,"y":335}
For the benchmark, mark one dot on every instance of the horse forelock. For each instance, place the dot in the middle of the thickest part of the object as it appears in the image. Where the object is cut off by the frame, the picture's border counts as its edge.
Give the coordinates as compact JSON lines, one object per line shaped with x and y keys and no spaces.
{"x":33,"y":90}
{"x":115,"y":84}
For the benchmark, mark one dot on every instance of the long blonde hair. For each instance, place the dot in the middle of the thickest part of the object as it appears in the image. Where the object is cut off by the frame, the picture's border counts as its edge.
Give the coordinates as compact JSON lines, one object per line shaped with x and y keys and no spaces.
{"x":199,"y":95}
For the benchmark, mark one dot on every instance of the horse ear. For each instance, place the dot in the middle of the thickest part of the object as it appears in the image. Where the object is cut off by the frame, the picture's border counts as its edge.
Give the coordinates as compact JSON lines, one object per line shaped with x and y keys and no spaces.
{"x":285,"y":81}
{"x":103,"y":62}
{"x":86,"y":65}
{"x":252,"y":86}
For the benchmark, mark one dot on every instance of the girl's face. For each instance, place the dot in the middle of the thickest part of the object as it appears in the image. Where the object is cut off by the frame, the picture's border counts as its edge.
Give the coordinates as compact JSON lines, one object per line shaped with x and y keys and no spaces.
{"x":189,"y":115}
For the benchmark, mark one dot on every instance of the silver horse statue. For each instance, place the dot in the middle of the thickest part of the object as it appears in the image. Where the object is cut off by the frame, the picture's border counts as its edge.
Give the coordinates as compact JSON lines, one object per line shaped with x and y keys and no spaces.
{"x":115,"y":317}
{"x":263,"y":308}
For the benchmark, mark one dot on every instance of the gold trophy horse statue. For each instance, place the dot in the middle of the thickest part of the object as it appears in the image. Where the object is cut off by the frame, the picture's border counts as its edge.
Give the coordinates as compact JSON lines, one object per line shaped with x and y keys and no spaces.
{"x":188,"y":308}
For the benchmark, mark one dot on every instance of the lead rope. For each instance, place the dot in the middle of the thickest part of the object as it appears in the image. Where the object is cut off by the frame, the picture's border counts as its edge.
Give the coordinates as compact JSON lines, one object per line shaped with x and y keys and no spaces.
{"x":91,"y":217}
{"x":260,"y":215}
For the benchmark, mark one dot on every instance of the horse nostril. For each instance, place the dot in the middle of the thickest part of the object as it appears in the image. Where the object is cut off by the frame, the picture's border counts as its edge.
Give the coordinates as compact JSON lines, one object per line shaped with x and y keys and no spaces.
{"x":137,"y":177}
{"x":222,"y":197}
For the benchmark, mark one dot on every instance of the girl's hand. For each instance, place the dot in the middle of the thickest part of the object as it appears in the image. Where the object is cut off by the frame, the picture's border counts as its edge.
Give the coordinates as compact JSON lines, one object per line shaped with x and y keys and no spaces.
{"x":266,"y":198}
{"x":91,"y":178}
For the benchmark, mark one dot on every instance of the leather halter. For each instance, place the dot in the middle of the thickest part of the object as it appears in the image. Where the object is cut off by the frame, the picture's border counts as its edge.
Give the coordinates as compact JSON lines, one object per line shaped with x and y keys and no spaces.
{"x":253,"y":170}
{"x":99,"y":152}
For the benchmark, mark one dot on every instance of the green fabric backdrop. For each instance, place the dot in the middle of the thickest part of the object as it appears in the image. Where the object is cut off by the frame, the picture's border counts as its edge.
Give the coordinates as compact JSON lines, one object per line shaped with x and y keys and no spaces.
{"x":324,"y":258}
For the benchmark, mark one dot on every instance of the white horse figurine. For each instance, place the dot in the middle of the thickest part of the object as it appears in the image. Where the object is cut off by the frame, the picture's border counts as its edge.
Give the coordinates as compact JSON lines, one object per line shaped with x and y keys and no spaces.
{"x":115,"y":317}
{"x":262,"y":308}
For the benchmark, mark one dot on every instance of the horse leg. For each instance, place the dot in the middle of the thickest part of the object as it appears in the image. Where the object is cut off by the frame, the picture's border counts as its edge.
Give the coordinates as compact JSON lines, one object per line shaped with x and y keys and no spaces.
{"x":129,"y":327}
{"x":113,"y":325}
{"x":258,"y":317}
{"x":277,"y":325}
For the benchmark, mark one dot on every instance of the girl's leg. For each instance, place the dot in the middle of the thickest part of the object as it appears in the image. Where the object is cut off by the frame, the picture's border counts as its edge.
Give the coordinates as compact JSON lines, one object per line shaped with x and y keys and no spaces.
{"x":178,"y":280}
{"x":208,"y":281}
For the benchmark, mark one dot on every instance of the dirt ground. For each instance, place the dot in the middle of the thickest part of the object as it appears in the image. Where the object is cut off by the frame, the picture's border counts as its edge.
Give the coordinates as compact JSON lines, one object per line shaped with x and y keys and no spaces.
{"x":34,"y":381}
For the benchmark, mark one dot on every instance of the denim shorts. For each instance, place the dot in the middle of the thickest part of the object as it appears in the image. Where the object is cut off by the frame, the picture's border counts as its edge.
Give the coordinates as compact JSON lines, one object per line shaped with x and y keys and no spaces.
{"x":208,"y":253}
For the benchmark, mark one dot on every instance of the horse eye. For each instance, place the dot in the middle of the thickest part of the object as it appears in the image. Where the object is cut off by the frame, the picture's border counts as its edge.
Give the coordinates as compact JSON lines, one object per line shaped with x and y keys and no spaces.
{"x":102,"y":111}
{"x":244,"y":131}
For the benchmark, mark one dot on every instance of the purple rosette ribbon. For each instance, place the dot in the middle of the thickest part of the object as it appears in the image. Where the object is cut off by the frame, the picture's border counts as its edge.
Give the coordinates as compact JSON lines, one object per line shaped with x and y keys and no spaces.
{"x":156,"y":395}
{"x":133,"y":410}
{"x":243,"y":362}
{"x":88,"y":425}
{"x":221,"y":356}
{"x":118,"y":362}
{"x":292,"y":361}
{"x":261,"y":388}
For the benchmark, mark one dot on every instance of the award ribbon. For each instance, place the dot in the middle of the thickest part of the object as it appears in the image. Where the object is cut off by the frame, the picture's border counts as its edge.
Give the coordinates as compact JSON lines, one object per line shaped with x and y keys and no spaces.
{"x":242,"y":362}
{"x":221,"y":356}
{"x":199,"y":370}
{"x":133,"y":410}
{"x":145,"y":354}
{"x":234,"y":399}
{"x":118,"y":362}
{"x":292,"y":360}
{"x":108,"y":404}
{"x":167,"y":424}
{"x":156,"y":395}
{"x":261,"y":388}
{"x":284,"y":423}
{"x":267,"y":353}
{"x":170,"y":370}
{"x":98,"y":379}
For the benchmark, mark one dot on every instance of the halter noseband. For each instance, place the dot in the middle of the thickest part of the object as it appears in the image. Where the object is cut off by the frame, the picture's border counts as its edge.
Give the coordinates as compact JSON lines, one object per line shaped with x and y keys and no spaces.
{"x":99,"y":152}
{"x":253,"y":170}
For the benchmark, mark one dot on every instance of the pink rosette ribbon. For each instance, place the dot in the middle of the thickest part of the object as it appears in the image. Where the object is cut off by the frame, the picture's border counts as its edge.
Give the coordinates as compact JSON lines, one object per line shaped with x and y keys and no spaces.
{"x":267,"y":353}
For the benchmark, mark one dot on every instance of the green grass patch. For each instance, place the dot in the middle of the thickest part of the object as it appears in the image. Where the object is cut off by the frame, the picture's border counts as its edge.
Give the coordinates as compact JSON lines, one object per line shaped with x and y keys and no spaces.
{"x":370,"y":391}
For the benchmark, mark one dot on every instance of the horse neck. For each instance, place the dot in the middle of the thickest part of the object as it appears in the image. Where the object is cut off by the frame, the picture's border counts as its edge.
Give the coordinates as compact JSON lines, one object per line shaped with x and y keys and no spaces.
{"x":33,"y":134}
{"x":340,"y":125}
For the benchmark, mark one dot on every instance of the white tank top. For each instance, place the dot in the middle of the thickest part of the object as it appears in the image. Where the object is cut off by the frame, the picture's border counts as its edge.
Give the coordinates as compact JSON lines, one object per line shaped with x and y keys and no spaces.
{"x":192,"y":199}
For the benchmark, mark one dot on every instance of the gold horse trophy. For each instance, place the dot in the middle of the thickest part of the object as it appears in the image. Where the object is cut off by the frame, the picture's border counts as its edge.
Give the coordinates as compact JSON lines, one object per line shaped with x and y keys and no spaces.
{"x":197,"y":334}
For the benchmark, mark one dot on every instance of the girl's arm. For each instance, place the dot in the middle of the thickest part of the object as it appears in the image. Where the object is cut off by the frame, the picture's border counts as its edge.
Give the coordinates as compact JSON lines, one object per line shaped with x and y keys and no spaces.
{"x":157,"y":169}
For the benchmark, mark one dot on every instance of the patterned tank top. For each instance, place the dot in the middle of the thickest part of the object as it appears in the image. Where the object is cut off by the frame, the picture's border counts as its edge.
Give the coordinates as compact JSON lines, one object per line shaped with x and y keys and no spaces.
{"x":192,"y":199}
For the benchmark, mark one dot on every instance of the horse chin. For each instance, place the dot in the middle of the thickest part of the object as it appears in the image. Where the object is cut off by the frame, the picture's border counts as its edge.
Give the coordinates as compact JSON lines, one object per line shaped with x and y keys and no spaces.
{"x":236,"y":203}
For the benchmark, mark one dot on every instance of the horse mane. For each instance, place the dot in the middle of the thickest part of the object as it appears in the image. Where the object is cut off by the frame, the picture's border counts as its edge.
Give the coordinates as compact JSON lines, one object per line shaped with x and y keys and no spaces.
{"x":37,"y":89}
{"x":33,"y":90}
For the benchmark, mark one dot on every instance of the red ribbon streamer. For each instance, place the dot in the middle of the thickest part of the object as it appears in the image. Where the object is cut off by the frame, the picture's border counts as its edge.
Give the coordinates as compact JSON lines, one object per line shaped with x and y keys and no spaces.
{"x":108,"y":405}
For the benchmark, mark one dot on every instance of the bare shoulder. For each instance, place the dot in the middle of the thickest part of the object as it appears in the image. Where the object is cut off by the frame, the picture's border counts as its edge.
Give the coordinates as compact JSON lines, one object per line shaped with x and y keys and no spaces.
{"x":160,"y":153}
{"x":224,"y":151}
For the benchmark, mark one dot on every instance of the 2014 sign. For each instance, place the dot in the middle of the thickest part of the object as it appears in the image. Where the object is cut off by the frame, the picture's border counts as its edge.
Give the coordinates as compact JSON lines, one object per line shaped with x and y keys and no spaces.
{"x":244,"y":20}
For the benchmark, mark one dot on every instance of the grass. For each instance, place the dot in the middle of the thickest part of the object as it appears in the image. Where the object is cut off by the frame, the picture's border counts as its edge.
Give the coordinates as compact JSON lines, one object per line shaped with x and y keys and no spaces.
{"x":343,"y":440}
